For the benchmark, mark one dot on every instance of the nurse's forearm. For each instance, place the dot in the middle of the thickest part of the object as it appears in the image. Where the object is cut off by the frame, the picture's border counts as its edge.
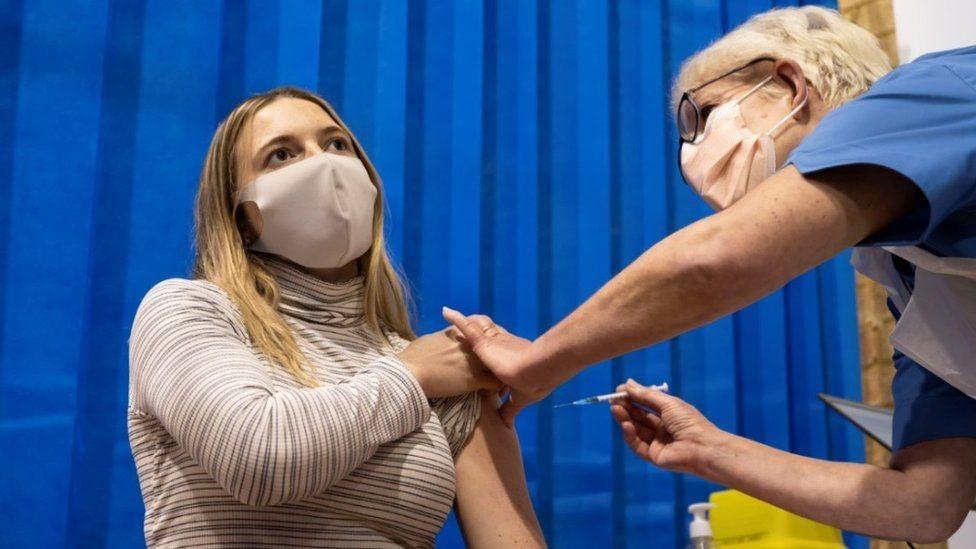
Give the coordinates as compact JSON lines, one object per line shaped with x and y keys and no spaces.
{"x":722,"y":263}
{"x":924,"y":498}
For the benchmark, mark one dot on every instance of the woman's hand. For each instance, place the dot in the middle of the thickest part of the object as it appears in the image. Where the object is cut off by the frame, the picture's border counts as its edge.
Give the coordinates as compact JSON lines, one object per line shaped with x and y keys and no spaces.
{"x":507,"y":356}
{"x":674,"y":435}
{"x":445,"y":366}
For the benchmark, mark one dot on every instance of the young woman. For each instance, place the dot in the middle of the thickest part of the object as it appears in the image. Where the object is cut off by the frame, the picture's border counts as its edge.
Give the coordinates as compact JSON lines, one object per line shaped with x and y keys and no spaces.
{"x":280,"y":396}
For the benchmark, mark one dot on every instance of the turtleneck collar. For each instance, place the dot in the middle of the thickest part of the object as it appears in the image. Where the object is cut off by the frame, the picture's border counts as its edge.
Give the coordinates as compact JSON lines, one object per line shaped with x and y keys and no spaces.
{"x":310,"y":298}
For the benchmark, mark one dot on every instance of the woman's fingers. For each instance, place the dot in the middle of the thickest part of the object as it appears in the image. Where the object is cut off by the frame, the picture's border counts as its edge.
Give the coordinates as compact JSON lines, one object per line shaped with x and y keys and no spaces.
{"x":490,"y":383}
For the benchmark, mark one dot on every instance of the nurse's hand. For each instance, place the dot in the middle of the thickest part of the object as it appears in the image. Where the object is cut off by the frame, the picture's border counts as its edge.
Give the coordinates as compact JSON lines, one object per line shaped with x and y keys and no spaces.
{"x":443,"y":364}
{"x":677,"y":438}
{"x":507,"y":356}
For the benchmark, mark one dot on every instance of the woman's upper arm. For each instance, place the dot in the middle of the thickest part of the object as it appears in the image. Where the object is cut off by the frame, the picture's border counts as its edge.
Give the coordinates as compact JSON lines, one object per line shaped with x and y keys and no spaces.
{"x":459,"y":417}
{"x":183,"y":342}
{"x":192,"y":370}
{"x":493,"y":502}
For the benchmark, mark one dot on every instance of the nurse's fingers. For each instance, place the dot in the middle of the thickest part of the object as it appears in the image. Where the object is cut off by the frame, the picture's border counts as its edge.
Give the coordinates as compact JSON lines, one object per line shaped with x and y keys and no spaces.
{"x":461,"y":323}
{"x":619,"y":414}
{"x":486,"y":324}
{"x":475,"y":328}
{"x":641,"y":416}
{"x":637,"y":413}
{"x":647,"y":396}
{"x":642,"y":430}
{"x":634,"y":441}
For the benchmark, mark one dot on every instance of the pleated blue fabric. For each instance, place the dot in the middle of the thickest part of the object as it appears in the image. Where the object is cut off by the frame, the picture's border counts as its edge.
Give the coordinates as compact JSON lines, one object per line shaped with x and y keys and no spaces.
{"x":527,"y":154}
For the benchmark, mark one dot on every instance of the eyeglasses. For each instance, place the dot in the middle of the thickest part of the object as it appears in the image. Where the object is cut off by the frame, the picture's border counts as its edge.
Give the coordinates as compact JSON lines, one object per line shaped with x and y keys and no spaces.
{"x":689,"y":118}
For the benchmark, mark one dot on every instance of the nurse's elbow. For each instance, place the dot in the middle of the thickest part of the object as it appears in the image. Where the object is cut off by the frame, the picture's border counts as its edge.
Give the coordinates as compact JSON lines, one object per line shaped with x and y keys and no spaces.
{"x":940,"y":487}
{"x":937,"y":523}
{"x":936,"y":513}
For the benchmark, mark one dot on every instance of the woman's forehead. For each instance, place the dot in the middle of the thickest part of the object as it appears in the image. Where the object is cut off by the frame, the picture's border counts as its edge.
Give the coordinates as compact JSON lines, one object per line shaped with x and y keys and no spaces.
{"x":288,"y":115}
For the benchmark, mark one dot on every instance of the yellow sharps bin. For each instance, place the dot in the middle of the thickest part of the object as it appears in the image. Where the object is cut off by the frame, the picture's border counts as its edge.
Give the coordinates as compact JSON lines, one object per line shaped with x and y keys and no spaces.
{"x":741,"y":521}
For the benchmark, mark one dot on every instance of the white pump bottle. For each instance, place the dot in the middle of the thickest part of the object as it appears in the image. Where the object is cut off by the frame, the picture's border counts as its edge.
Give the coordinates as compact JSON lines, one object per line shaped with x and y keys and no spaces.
{"x":700,"y":530}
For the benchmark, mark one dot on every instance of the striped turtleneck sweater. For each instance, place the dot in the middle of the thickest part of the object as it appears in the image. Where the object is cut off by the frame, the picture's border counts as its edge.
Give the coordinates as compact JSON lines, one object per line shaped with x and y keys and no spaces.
{"x":231,"y":451}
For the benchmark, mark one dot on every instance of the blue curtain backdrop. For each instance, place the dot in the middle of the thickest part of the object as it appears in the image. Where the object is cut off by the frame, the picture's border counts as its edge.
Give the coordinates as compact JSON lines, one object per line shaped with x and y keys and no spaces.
{"x":527,"y":155}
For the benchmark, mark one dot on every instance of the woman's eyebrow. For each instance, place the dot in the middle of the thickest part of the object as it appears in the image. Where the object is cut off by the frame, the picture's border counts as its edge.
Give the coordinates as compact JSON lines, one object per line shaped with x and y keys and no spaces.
{"x":334,"y":129}
{"x":281,"y":139}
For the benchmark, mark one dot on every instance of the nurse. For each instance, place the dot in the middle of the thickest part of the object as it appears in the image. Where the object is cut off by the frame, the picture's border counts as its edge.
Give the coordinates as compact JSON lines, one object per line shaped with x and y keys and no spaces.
{"x":792,"y":131}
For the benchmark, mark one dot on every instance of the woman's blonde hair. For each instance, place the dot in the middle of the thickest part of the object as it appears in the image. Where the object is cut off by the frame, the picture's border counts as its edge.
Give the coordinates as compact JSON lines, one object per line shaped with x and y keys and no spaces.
{"x":222,"y":258}
{"x":840,"y":59}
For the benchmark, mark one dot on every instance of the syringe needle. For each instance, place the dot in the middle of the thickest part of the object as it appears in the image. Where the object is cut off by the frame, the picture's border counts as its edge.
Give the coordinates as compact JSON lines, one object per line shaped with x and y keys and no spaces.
{"x":609,"y":397}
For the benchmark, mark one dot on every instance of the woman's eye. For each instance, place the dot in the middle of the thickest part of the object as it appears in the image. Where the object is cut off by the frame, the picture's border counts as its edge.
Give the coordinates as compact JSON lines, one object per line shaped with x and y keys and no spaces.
{"x":337,"y":144}
{"x":278,"y":156}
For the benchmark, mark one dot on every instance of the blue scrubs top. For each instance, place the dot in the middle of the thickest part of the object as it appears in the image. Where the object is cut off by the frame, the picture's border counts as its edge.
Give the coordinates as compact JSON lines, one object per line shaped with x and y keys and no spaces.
{"x":920,"y":121}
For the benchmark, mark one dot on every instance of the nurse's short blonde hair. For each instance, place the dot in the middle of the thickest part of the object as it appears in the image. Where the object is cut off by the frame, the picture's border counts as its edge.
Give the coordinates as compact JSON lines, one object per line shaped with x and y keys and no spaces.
{"x":840,"y":59}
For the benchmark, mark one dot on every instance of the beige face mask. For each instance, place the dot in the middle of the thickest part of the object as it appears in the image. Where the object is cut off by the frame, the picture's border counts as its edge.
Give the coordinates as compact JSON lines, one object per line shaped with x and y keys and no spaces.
{"x":728,"y":159}
{"x":317,"y":212}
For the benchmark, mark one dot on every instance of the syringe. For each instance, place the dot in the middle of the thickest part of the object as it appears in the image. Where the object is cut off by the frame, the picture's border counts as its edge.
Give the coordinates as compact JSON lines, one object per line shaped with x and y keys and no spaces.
{"x":607,"y":397}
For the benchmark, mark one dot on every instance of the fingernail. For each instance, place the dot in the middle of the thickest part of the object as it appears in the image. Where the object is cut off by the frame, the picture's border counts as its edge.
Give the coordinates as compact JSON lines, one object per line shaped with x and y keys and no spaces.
{"x":448,"y":310}
{"x":630,"y":381}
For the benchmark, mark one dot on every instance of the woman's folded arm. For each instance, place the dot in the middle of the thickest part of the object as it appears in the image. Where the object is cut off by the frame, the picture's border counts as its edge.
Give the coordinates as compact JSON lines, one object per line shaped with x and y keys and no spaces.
{"x":192,"y":369}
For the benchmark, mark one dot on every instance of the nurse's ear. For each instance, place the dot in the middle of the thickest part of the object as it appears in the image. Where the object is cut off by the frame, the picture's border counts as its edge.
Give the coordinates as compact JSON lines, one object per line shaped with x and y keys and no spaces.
{"x":789,"y":73}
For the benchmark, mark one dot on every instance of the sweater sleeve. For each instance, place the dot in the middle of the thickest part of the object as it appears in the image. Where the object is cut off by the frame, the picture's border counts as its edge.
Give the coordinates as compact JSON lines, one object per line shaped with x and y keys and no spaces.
{"x":192,"y":369}
{"x":458,"y":415}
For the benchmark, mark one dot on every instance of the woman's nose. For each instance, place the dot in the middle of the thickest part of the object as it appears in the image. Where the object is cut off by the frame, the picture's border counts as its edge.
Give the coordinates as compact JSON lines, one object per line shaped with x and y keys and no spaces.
{"x":313,"y":149}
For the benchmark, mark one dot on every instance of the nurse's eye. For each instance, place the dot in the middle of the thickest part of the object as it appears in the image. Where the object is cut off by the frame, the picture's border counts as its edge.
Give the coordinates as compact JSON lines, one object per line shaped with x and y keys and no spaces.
{"x":705,"y":111}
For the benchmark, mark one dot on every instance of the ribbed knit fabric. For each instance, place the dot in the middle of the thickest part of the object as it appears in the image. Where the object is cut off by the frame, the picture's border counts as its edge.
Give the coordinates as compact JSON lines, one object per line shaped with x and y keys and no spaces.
{"x":232,"y":452}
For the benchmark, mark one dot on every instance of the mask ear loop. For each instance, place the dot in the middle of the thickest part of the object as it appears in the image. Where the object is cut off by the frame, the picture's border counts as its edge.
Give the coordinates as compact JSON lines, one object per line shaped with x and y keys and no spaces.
{"x":783,"y":120}
{"x":752,"y":90}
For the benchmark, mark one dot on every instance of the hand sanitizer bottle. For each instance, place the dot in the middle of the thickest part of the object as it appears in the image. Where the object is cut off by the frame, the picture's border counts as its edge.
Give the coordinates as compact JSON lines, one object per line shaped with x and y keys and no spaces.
{"x":700,"y":531}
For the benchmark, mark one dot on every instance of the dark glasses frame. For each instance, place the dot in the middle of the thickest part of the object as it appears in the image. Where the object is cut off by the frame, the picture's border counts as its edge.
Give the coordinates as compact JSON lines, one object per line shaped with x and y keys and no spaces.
{"x":689,"y":114}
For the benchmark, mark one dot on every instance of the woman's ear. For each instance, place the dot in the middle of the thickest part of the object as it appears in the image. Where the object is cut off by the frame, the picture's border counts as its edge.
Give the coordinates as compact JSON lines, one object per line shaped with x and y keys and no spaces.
{"x":790,"y":73}
{"x":247,"y":216}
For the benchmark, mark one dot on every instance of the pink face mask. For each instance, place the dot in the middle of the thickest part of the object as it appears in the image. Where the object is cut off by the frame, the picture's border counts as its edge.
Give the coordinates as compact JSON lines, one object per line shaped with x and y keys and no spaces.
{"x":728,"y":159}
{"x":317,"y":212}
